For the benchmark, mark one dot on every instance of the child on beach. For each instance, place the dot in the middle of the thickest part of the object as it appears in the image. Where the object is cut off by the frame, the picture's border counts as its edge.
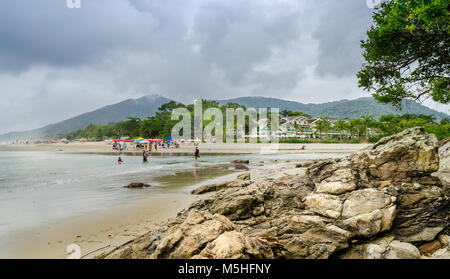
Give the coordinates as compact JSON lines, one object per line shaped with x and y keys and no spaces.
{"x":119,"y":160}
{"x":144,"y":156}
{"x":196,"y":153}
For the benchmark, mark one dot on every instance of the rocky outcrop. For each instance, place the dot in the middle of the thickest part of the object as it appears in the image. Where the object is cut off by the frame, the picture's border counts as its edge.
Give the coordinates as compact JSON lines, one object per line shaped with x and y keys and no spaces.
{"x":242,"y":181}
{"x":381,"y":202}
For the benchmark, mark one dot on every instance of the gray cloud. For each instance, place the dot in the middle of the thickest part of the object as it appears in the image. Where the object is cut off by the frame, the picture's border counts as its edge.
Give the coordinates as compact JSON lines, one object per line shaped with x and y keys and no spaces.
{"x":343,"y":24}
{"x":57,"y":62}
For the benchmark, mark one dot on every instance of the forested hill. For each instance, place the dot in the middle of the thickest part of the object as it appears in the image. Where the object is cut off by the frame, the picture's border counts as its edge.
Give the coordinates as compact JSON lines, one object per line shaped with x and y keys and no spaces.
{"x":338,"y":109}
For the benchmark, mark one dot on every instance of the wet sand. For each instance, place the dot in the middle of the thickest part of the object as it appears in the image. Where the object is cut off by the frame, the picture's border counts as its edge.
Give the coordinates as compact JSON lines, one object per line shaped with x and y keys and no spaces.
{"x":101,"y":232}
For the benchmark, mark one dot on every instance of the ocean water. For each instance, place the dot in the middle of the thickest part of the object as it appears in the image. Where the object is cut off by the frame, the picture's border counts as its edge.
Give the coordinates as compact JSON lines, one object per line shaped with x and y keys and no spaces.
{"x":38,"y":188}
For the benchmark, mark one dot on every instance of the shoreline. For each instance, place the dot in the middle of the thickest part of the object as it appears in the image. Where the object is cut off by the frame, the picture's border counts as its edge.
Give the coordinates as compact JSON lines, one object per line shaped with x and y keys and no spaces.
{"x":205,"y":148}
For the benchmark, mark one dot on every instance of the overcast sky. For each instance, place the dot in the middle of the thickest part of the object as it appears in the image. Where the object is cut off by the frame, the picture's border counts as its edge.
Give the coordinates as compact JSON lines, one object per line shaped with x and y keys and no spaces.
{"x":57,"y":62}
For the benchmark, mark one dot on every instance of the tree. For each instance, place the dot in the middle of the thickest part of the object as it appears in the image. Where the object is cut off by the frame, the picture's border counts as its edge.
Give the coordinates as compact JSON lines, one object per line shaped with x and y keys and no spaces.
{"x":341,"y":126}
{"x":367,"y":121}
{"x":355,"y":127}
{"x":407,"y":52}
{"x":323,"y":125}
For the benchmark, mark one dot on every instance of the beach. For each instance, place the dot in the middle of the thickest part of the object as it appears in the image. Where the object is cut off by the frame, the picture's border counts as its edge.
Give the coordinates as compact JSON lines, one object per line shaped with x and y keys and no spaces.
{"x":113,"y":215}
{"x":245,"y":148}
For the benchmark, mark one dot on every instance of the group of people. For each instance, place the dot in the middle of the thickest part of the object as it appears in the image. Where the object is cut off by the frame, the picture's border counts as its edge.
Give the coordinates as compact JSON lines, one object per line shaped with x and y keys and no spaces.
{"x":145,"y":155}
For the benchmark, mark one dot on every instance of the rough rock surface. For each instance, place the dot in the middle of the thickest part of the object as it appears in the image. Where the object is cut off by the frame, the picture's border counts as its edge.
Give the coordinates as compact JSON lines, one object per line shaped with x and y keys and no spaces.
{"x":381,"y":202}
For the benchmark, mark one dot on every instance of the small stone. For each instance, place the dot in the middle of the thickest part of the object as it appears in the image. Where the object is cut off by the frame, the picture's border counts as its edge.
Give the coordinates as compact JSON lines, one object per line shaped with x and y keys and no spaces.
{"x":430,"y":247}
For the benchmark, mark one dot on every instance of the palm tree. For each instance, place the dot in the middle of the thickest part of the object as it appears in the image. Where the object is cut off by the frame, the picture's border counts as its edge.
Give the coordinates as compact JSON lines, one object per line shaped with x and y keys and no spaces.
{"x":355,"y":127}
{"x":323,"y":125}
{"x":341,"y":125}
{"x":367,"y":121}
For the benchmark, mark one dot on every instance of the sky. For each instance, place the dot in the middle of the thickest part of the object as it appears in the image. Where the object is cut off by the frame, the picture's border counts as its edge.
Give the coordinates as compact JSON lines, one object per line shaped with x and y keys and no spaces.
{"x":58,"y":62}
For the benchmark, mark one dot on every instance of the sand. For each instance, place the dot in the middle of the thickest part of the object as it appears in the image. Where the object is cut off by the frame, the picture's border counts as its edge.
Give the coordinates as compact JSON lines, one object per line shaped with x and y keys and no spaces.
{"x":97,"y":232}
{"x":249,"y":148}
{"x":100,"y":232}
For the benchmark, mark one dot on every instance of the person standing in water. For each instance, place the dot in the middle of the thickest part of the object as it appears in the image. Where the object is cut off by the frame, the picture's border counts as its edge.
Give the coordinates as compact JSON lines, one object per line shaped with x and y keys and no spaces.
{"x":144,"y":156}
{"x":119,"y":160}
{"x":196,"y":153}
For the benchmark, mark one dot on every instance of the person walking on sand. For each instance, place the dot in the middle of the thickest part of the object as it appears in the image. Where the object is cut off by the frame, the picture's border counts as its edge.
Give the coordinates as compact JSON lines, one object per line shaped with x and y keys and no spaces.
{"x":196,"y":153}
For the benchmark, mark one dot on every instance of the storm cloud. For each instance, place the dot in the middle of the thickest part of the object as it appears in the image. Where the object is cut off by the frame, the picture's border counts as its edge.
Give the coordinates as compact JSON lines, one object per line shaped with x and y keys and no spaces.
{"x":57,"y":62}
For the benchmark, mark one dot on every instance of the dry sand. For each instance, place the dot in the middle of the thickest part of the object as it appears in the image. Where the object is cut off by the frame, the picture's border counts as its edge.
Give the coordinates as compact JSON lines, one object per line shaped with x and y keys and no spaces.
{"x":204,"y":148}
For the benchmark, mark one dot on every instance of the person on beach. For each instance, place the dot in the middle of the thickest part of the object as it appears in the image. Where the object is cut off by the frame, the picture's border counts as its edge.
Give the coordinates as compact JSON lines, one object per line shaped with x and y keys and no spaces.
{"x":144,"y":156}
{"x":196,"y":153}
{"x":119,"y":160}
{"x":303,"y":148}
{"x":156,"y":146}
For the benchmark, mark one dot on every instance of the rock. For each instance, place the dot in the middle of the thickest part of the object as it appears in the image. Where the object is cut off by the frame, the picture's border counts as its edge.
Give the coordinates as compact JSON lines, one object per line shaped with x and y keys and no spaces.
{"x":324,"y":204}
{"x":137,"y":185}
{"x":340,"y":182}
{"x":444,"y":157}
{"x":430,"y":247}
{"x":370,"y":250}
{"x":443,"y":253}
{"x":210,"y":188}
{"x":365,"y":225}
{"x":235,"y":245}
{"x":401,"y":250}
{"x":382,"y":248}
{"x":307,"y":164}
{"x":412,"y":152}
{"x":246,"y":162}
{"x":244,"y":176}
{"x":365,"y":201}
{"x":241,"y":167}
{"x":298,"y":166}
{"x":316,"y":243}
{"x":443,"y":239}
{"x":188,"y":238}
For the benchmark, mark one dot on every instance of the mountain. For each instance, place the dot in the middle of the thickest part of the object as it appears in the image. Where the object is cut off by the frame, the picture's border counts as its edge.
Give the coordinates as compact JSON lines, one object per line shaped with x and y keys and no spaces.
{"x":338,"y":109}
{"x":141,"y":107}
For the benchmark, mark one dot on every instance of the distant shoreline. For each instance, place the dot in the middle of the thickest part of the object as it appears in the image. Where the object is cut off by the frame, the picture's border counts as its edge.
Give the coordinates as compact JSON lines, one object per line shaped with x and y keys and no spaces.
{"x":218,"y":148}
